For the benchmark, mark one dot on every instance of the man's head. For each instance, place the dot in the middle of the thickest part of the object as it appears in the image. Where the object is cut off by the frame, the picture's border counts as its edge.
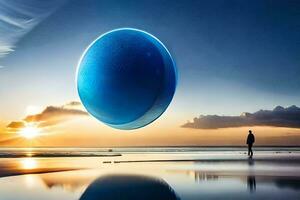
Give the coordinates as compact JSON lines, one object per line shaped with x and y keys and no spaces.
{"x":250,"y":131}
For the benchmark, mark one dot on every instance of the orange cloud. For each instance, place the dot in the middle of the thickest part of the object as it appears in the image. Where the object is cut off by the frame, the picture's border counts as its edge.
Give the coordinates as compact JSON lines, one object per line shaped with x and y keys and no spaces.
{"x":51,"y":115}
{"x":16,"y":124}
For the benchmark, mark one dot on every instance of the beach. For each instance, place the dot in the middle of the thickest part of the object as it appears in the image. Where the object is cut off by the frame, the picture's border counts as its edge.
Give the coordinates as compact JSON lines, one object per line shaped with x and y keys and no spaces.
{"x":188,"y":173}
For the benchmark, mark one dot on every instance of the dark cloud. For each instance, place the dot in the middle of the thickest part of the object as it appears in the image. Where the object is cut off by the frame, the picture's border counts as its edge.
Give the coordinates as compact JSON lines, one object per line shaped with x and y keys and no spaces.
{"x":73,"y":103}
{"x":16,"y":124}
{"x":278,"y":117}
{"x":51,"y":115}
{"x":52,"y":112}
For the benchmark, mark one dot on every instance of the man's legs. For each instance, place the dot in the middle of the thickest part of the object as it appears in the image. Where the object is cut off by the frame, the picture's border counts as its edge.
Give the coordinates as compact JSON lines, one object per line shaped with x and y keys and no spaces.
{"x":251,"y":152}
{"x":249,"y":149}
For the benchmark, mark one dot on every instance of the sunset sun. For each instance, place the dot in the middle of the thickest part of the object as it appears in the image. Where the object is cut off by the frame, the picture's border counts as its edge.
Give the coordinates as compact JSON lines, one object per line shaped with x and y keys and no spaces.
{"x":29,"y":132}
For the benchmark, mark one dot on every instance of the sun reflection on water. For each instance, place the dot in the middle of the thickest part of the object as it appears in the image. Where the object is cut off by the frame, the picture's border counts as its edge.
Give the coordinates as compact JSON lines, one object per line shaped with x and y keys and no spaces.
{"x":29,"y":154}
{"x":29,"y":163}
{"x":31,"y":181}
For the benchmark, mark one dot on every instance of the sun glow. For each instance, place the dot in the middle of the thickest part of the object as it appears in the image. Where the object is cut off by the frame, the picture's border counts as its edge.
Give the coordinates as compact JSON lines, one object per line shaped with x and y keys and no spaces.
{"x":28,"y":163}
{"x":29,"y":132}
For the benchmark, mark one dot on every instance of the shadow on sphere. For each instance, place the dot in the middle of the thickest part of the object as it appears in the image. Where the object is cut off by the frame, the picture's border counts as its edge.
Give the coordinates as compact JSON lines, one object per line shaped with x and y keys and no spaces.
{"x":128,"y":187}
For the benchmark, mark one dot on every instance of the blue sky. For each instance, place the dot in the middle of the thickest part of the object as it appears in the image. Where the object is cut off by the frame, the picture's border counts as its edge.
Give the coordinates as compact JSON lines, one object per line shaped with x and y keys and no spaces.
{"x":232,"y":56}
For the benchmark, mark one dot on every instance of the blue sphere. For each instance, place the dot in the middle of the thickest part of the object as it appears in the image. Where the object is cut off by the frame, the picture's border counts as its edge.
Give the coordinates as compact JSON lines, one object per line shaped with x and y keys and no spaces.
{"x":126,"y":78}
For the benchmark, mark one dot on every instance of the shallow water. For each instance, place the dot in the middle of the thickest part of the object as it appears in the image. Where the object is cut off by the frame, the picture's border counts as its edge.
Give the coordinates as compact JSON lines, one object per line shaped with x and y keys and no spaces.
{"x":164,"y":175}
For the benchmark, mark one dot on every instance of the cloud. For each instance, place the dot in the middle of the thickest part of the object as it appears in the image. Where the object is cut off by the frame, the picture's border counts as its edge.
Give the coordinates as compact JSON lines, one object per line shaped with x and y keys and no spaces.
{"x":51,"y":115}
{"x":278,"y":117}
{"x":17,"y":18}
{"x":73,"y":103}
{"x":16,"y":124}
{"x":53,"y":112}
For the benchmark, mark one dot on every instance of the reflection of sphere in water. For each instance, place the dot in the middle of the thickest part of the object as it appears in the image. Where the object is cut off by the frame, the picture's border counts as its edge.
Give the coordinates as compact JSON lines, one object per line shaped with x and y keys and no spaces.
{"x":126,"y":78}
{"x":128,"y":187}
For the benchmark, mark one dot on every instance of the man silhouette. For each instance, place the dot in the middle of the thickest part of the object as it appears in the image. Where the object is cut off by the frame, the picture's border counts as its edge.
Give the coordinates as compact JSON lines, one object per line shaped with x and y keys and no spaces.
{"x":250,"y":141}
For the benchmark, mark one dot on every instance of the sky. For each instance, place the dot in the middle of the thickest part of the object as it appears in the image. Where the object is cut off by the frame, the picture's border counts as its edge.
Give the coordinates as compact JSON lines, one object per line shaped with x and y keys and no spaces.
{"x":232,"y":57}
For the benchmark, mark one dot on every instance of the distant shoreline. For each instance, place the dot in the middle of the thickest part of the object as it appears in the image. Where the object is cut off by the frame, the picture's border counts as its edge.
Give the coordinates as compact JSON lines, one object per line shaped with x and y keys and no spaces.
{"x":113,"y":147}
{"x":115,"y":152}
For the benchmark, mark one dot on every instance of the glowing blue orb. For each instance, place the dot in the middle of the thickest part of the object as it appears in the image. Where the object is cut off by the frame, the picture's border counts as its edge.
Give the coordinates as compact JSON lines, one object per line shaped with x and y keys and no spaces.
{"x":126,"y":78}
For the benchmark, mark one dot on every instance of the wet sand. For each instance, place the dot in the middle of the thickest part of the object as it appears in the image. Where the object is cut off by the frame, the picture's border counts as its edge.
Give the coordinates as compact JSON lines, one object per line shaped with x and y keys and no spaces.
{"x":189,"y":175}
